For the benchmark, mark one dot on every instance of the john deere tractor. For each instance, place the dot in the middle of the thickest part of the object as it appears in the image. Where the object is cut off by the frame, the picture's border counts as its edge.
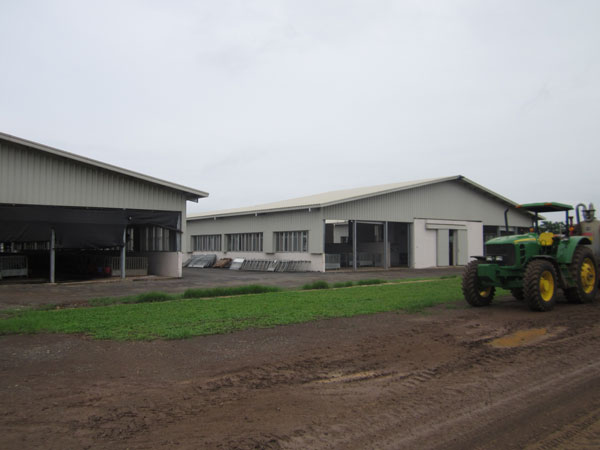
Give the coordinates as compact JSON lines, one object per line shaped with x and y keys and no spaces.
{"x":535,"y":265}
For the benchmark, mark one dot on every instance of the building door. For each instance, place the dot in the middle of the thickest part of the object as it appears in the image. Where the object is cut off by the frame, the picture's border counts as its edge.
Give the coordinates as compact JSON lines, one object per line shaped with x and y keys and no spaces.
{"x":452,"y":247}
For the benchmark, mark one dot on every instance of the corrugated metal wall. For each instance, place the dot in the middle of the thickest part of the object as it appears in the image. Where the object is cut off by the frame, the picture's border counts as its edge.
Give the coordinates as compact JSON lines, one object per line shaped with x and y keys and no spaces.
{"x":32,"y":177}
{"x":451,"y":200}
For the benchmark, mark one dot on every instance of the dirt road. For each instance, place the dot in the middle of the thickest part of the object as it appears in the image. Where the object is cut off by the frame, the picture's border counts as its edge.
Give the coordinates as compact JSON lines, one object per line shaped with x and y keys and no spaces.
{"x":453,"y":378}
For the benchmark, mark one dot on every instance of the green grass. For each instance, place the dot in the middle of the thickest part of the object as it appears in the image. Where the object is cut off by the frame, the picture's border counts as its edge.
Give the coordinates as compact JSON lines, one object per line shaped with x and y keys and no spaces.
{"x":193,"y":317}
{"x":343,"y":284}
{"x":316,"y":285}
{"x":157,"y":296}
{"x":229,"y":291}
{"x":370,"y":282}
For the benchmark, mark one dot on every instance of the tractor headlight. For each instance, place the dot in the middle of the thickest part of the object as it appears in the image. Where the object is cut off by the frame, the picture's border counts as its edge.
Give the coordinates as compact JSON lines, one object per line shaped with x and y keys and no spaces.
{"x":499,"y":258}
{"x":489,"y":258}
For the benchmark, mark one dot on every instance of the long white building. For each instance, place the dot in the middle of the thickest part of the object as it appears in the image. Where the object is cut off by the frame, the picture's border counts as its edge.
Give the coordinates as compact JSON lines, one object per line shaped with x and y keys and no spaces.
{"x":419,"y":224}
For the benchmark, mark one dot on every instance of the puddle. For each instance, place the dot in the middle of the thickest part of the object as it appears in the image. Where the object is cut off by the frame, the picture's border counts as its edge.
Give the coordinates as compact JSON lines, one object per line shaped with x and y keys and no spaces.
{"x":521,"y":337}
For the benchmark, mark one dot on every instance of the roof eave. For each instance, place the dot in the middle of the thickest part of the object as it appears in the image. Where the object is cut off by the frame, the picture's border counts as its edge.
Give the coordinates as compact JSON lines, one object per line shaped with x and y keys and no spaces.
{"x":253,"y":213}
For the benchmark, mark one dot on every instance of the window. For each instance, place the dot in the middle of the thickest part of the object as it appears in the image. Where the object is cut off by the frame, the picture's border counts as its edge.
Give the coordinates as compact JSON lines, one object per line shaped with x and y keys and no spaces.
{"x":206,"y":243}
{"x":245,"y":242}
{"x":153,"y":239}
{"x":291,"y":241}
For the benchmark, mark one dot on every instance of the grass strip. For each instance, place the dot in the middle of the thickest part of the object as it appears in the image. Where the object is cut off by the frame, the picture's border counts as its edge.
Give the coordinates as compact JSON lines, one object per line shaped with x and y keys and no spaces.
{"x":229,"y":291}
{"x":316,"y":285}
{"x":343,"y":284}
{"x":157,"y":296}
{"x":192,"y":317}
{"x":370,"y":282}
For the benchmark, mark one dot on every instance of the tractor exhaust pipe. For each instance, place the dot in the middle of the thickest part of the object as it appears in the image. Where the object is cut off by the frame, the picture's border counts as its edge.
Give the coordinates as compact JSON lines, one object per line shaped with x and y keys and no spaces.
{"x":506,"y":220}
{"x":581,"y":205}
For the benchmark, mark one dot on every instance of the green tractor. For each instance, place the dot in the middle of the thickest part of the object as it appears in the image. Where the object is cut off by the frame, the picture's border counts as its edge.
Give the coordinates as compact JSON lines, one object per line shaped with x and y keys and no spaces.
{"x":534,"y":265}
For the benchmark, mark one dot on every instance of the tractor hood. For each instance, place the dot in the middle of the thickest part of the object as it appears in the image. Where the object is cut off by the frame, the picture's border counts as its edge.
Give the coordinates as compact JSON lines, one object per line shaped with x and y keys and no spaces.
{"x":513,"y":239}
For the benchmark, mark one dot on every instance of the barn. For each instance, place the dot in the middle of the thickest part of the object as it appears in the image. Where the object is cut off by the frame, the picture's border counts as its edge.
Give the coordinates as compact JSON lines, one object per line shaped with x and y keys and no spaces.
{"x":418,"y":224}
{"x":66,"y":217}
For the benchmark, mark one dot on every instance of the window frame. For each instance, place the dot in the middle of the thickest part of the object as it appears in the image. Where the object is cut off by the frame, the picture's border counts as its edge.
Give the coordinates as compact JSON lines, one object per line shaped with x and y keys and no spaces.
{"x":206,"y":243}
{"x":244,"y":242}
{"x":291,"y":241}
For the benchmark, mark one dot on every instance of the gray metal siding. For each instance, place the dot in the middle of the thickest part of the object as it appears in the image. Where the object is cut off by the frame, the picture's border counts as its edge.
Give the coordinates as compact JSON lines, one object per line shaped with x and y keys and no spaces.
{"x":451,"y":200}
{"x":31,"y":177}
{"x":265,"y":223}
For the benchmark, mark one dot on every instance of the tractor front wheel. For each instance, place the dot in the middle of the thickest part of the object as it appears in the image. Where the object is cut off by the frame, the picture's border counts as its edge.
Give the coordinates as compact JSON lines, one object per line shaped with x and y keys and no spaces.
{"x":474,"y":293}
{"x":583,"y":271}
{"x":540,"y":285}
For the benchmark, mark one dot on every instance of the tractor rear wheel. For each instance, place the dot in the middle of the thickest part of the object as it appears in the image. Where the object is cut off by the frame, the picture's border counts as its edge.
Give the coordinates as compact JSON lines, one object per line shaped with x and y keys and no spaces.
{"x":583,"y":270}
{"x":540,"y":285}
{"x":474,"y":293}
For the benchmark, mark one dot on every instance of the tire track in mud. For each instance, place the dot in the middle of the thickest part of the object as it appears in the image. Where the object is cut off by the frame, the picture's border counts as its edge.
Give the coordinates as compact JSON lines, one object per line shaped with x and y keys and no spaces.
{"x":400,"y":386}
{"x":386,"y":431}
{"x":582,"y":434}
{"x":402,"y":391}
{"x":435,"y":383}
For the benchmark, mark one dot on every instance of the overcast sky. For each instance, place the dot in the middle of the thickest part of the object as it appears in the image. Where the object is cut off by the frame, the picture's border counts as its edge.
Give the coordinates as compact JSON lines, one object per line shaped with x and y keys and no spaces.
{"x":258,"y":101}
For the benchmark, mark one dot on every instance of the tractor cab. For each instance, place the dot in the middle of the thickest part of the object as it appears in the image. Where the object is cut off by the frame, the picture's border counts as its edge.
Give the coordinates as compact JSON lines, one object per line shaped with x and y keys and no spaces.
{"x":547,"y":207}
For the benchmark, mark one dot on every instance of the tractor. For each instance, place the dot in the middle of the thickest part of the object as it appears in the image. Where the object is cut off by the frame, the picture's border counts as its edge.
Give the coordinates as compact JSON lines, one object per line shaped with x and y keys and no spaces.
{"x":535,"y":265}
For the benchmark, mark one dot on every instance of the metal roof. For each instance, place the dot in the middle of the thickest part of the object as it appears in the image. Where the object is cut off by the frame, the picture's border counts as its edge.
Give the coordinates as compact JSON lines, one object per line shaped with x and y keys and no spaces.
{"x":191,"y":194}
{"x":342,"y":196}
{"x":546,"y":207}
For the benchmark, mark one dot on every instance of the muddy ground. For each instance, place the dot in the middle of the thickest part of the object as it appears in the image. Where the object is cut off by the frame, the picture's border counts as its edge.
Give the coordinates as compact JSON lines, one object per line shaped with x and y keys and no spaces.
{"x":453,"y":378}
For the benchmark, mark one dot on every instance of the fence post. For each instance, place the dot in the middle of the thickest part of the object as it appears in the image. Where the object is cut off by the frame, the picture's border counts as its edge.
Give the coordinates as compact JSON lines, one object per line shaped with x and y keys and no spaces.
{"x":123,"y":251}
{"x":385,"y":246}
{"x":354,"y":245}
{"x":52,"y":255}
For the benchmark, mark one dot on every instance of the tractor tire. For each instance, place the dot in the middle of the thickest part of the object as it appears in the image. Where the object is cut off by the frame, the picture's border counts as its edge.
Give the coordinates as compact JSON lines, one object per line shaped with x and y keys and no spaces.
{"x":518,"y":294}
{"x":475,"y":295}
{"x":583,"y":270}
{"x":540,"y":285}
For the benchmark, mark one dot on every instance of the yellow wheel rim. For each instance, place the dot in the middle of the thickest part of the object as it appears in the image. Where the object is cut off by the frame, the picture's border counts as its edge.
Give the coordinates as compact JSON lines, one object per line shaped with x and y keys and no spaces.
{"x":546,"y":285}
{"x":587,"y":274}
{"x":485,"y":292}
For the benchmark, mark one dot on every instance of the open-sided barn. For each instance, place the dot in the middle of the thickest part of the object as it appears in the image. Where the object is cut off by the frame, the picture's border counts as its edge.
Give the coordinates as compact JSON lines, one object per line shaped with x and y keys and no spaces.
{"x":63,"y":215}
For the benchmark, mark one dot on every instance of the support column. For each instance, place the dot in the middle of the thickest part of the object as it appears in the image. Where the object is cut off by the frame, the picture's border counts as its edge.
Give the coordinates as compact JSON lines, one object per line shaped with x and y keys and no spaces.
{"x":52,"y":255}
{"x":354,"y":246}
{"x":386,"y":264}
{"x":123,"y":251}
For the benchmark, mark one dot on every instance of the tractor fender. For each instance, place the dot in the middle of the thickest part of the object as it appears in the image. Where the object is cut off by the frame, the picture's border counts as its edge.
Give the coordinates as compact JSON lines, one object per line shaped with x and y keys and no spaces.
{"x":567,"y":247}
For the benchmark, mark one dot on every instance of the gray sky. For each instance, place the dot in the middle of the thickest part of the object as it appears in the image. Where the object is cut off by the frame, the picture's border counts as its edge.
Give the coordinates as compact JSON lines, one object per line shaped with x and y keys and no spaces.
{"x":258,"y":101}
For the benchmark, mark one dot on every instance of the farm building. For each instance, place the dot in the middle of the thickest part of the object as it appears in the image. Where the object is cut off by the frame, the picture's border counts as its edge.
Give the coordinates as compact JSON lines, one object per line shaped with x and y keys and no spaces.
{"x":66,"y":216}
{"x":418,"y":224}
